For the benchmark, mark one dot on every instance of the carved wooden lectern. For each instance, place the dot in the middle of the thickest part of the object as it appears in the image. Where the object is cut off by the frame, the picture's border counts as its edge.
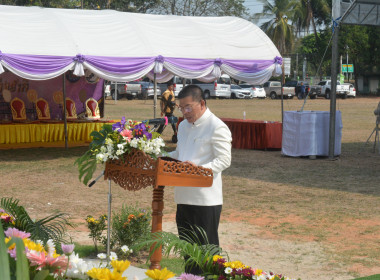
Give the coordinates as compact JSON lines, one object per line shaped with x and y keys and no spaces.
{"x":138,"y":170}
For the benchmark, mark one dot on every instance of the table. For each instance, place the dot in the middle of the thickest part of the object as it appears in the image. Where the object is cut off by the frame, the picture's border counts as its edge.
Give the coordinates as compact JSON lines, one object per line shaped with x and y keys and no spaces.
{"x":252,"y":134}
{"x":307,"y":133}
{"x":47,"y":132}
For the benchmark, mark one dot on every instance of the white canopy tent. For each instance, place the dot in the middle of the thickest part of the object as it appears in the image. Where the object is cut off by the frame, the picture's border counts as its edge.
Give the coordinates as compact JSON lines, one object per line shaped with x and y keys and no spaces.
{"x":122,"y":46}
{"x":42,"y":43}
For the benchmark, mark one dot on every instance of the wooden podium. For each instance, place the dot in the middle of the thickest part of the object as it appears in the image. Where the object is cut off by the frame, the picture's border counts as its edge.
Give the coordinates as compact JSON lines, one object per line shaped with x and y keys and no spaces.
{"x":138,"y":170}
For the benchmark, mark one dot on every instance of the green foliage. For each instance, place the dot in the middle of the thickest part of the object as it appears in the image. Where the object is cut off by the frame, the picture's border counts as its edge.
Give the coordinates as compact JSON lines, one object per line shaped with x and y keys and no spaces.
{"x":96,"y":228}
{"x":279,"y":27}
{"x":51,"y":227}
{"x":130,"y":226}
{"x":87,"y":162}
{"x":189,"y":247}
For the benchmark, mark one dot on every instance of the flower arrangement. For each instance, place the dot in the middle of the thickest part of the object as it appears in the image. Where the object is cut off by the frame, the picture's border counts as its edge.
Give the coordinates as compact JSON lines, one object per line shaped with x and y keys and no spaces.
{"x":236,"y":270}
{"x":114,"y":141}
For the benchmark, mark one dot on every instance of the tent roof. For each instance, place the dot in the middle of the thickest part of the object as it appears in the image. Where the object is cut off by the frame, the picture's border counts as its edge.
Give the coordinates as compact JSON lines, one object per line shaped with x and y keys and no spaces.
{"x":45,"y":31}
{"x":98,"y":36}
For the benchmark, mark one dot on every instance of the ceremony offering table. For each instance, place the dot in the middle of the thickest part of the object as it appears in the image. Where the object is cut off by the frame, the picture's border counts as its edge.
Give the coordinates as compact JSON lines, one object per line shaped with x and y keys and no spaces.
{"x":251,"y":134}
{"x":139,"y":170}
{"x":307,"y":133}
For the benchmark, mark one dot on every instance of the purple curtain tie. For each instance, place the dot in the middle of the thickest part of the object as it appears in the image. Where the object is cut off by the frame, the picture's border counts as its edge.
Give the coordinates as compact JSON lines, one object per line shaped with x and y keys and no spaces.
{"x":79,"y":58}
{"x":278,"y":60}
{"x":160,"y":59}
{"x":218,"y":62}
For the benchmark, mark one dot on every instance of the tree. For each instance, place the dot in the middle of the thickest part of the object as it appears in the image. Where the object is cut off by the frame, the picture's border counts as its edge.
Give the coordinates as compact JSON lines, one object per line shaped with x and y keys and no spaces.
{"x":279,"y":28}
{"x":202,"y":8}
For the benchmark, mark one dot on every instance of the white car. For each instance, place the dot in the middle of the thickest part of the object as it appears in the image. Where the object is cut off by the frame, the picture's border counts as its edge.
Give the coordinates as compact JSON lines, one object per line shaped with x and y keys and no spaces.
{"x":256,"y":91}
{"x":352,"y":92}
{"x":238,"y":92}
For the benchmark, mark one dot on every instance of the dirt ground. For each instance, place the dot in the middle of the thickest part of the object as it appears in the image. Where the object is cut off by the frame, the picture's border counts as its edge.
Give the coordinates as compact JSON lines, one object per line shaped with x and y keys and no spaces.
{"x":308,"y":219}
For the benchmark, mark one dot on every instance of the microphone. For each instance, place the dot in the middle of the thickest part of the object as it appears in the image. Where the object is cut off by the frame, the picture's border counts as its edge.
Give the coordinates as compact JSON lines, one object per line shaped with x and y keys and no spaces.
{"x":96,"y":179}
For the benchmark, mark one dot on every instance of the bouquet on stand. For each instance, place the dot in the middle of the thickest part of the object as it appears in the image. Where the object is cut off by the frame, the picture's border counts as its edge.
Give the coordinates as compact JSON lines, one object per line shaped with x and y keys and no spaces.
{"x":114,"y":141}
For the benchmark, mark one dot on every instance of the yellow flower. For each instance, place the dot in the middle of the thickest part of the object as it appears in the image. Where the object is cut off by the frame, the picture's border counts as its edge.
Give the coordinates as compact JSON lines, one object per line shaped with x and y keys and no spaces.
{"x":120,"y":266}
{"x":216,"y":258}
{"x":258,"y":272}
{"x":33,"y":246}
{"x":7,"y":239}
{"x":105,"y":274}
{"x":157,"y":274}
{"x":235,"y":264}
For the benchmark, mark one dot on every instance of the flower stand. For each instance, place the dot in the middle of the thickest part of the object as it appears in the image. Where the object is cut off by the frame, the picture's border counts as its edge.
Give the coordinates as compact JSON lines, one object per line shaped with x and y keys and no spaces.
{"x":138,"y":170}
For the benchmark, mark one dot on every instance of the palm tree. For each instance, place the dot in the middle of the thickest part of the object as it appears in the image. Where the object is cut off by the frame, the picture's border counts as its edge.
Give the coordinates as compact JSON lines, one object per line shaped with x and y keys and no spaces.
{"x":311,"y":12}
{"x":279,"y":28}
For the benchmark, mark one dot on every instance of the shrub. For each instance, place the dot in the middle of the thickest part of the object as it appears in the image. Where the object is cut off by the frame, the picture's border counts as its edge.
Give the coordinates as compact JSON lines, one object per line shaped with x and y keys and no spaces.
{"x":96,"y":228}
{"x":130,"y":226}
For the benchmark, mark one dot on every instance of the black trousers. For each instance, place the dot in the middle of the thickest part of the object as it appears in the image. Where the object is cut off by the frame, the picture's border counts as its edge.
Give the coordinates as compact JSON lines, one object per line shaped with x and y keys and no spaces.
{"x":206,"y":217}
{"x":162,"y":126}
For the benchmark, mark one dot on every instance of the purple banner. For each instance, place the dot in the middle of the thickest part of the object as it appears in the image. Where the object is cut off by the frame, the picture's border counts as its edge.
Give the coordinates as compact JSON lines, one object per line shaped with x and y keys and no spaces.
{"x":78,"y":89}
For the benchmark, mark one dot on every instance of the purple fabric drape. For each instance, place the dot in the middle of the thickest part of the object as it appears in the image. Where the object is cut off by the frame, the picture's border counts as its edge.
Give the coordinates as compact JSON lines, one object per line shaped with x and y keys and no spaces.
{"x":43,"y":64}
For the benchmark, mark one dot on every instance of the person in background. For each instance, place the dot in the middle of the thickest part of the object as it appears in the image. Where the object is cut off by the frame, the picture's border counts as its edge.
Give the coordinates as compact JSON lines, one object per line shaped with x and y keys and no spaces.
{"x":302,"y":91}
{"x":203,"y":140}
{"x":168,"y":105}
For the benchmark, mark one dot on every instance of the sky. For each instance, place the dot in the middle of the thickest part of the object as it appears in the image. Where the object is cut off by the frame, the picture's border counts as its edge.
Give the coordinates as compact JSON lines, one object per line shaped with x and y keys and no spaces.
{"x":254,"y":6}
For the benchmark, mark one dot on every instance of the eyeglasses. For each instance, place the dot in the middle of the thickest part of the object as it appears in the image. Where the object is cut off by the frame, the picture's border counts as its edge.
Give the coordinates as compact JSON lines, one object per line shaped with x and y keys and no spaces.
{"x":187,"y":109}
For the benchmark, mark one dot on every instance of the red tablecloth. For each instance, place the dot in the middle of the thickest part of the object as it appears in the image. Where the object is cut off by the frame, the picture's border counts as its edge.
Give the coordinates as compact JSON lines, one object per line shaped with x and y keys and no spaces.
{"x":251,"y":134}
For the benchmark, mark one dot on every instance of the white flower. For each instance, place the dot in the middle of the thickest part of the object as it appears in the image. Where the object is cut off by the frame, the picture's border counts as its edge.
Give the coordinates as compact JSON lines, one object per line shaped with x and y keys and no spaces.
{"x":51,"y":247}
{"x":125,"y":248}
{"x":228,"y":270}
{"x":99,"y":157}
{"x":113,"y":256}
{"x":130,"y":251}
{"x":119,"y":152}
{"x":102,"y":256}
{"x":134,"y":143}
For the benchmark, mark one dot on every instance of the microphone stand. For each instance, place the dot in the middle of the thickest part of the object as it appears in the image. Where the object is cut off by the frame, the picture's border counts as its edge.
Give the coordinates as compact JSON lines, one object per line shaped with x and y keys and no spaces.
{"x":109,"y":214}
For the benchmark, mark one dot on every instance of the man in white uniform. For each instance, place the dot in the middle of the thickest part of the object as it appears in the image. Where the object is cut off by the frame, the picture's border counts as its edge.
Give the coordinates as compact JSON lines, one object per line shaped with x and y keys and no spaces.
{"x":203,"y":140}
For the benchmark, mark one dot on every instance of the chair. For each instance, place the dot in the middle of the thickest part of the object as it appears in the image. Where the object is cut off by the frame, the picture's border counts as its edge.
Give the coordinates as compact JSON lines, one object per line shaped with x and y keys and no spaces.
{"x":71,"y":110}
{"x":92,"y":109}
{"x":42,"y":108}
{"x":18,"y":109}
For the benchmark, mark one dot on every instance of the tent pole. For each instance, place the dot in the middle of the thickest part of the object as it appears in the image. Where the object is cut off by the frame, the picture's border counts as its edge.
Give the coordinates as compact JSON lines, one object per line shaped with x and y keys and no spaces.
{"x":64,"y":107}
{"x":155,"y":96}
{"x":334,"y":60}
{"x":282,"y":95}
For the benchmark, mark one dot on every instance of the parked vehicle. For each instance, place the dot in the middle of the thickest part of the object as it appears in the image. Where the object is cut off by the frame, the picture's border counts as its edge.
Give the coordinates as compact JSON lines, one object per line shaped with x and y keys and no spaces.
{"x":256,"y":90}
{"x":219,"y":88}
{"x":177,"y":83}
{"x":129,"y":90}
{"x":147,"y":90}
{"x":324,"y":89}
{"x":273,"y":90}
{"x":238,"y":92}
{"x":352,"y":92}
{"x":294,"y":88}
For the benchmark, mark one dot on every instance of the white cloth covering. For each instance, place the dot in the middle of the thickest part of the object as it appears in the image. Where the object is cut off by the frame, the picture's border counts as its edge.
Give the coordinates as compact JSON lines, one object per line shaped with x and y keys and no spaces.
{"x":307,"y":133}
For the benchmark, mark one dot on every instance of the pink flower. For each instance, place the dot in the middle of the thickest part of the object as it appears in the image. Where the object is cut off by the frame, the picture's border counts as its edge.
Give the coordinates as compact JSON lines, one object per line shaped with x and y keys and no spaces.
{"x":41,"y":259}
{"x":188,"y":276}
{"x":14,"y":232}
{"x":127,"y":134}
{"x":67,"y":249}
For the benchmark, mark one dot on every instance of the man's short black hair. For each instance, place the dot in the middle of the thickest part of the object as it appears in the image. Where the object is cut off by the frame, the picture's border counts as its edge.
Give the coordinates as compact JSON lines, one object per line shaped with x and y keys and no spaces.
{"x":169,"y":83}
{"x":192,"y":90}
